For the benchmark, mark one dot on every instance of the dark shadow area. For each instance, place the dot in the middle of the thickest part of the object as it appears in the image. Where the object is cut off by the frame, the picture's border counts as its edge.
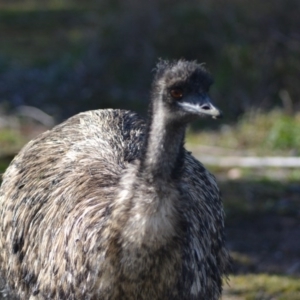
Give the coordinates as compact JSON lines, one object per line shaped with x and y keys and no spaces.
{"x":263,"y":226}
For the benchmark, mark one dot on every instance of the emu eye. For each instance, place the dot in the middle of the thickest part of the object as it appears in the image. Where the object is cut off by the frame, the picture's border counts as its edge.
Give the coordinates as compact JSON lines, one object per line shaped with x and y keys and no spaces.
{"x":176,"y":93}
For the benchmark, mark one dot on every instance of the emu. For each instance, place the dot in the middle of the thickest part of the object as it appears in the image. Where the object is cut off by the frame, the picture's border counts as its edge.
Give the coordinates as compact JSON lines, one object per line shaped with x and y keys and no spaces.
{"x":107,"y":206}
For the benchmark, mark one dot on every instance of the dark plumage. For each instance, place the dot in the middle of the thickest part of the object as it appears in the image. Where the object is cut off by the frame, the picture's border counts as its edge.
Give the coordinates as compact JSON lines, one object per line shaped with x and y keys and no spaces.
{"x":106,"y":207}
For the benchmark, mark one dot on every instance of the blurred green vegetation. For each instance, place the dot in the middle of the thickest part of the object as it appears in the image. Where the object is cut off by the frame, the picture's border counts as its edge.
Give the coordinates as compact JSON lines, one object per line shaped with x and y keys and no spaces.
{"x":11,"y":141}
{"x":263,"y":287}
{"x":68,"y":56}
{"x":256,"y":133}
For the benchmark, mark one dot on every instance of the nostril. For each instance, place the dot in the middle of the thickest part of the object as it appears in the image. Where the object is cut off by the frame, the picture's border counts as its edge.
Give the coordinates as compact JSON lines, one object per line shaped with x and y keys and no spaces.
{"x":205,"y":107}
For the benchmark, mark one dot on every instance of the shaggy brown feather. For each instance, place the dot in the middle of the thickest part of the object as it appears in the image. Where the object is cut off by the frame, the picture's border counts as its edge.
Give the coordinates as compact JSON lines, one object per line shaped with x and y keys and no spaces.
{"x":79,"y":220}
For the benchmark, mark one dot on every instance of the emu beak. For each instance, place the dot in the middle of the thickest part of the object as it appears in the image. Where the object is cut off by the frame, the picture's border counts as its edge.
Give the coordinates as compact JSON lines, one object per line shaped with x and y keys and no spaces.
{"x":201,"y":106}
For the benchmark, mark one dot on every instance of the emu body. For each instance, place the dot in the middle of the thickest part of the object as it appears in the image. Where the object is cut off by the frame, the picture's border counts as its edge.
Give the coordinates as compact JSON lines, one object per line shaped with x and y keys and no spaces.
{"x":106,"y":206}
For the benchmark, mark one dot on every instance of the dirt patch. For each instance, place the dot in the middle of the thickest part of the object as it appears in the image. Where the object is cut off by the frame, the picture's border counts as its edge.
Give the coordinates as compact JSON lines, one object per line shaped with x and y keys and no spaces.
{"x":263,"y":226}
{"x":265,"y":244}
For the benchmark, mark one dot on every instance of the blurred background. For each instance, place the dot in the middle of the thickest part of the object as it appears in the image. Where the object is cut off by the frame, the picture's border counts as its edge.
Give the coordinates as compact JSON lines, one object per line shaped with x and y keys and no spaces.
{"x":60,"y":57}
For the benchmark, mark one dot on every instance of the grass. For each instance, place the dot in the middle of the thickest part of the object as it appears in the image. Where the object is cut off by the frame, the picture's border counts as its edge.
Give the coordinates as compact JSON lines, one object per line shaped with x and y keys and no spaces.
{"x":262,"y":287}
{"x":256,"y":133}
{"x":11,"y":141}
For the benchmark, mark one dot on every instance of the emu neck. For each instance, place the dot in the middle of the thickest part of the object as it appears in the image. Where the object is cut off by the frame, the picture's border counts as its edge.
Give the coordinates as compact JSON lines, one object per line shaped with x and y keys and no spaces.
{"x":164,"y":146}
{"x":148,"y":199}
